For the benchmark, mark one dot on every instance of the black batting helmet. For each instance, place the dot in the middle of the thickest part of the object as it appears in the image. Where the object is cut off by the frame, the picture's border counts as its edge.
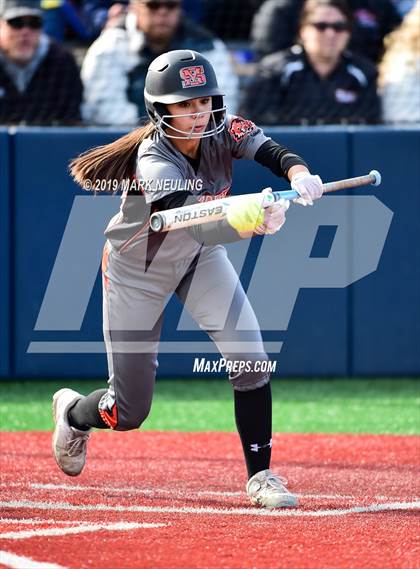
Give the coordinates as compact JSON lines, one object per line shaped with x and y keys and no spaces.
{"x":178,"y":76}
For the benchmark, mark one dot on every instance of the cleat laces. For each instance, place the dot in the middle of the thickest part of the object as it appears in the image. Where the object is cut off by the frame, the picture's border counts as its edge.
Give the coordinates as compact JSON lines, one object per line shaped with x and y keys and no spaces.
{"x":276,"y":483}
{"x":77,"y":445}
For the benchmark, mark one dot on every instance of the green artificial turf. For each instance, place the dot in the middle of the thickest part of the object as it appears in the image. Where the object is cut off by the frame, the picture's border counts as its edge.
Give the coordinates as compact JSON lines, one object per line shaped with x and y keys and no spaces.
{"x":299,"y":405}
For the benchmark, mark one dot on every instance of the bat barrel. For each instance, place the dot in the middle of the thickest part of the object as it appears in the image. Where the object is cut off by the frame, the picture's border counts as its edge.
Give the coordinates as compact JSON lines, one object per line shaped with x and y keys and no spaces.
{"x":187,"y":216}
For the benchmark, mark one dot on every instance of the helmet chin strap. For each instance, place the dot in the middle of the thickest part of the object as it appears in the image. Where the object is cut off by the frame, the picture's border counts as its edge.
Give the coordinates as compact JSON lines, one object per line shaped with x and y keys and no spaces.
{"x":163,"y":123}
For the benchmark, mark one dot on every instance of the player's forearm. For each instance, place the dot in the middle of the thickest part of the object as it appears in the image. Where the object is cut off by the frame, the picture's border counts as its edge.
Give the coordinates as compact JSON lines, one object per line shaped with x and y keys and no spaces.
{"x":279,"y":159}
{"x":215,"y":233}
{"x":246,"y":234}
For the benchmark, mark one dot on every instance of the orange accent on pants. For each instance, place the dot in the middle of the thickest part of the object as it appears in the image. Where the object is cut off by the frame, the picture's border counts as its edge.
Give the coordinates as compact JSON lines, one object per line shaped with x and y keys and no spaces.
{"x":105,"y":256}
{"x":110,"y":419}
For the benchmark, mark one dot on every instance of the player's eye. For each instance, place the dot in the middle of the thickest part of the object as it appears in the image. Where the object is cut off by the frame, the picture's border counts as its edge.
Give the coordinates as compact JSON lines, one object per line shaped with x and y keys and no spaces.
{"x":205,"y":100}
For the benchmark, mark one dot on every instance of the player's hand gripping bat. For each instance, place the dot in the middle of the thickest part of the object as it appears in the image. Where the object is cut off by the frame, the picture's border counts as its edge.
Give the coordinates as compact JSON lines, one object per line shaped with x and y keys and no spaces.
{"x":215,"y":210}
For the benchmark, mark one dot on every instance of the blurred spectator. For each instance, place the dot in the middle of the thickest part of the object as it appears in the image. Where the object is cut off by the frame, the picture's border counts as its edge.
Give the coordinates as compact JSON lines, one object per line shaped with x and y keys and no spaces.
{"x":399,"y":71}
{"x":39,"y":81}
{"x":83,"y":20}
{"x":95,"y":13}
{"x":115,"y":65}
{"x":275,"y":25}
{"x":62,"y":17}
{"x":316,"y":82}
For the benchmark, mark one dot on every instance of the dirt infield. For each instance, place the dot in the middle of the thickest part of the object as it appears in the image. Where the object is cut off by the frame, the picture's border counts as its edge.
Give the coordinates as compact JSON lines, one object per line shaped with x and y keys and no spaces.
{"x":176,"y":501}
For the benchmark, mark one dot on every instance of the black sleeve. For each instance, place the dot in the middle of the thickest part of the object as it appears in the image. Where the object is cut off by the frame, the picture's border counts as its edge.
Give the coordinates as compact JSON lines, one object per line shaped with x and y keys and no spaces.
{"x":277,"y":158}
{"x":213,"y":233}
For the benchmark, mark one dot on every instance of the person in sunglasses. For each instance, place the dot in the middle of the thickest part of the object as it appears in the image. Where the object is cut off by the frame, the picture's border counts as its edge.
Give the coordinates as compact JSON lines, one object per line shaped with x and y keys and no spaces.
{"x":317,"y":81}
{"x":39,"y":81}
{"x":275,"y":24}
{"x":115,"y":66}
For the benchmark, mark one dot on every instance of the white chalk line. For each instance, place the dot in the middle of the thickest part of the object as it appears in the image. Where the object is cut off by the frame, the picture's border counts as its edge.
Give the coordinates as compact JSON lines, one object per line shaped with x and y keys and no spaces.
{"x":79,"y":528}
{"x":190,"y":492}
{"x":35,"y":521}
{"x":372,"y":508}
{"x":19,"y":562}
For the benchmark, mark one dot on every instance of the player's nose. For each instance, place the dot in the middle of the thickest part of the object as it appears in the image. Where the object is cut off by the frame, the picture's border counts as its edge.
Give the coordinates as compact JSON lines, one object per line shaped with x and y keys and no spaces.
{"x":197,"y":115}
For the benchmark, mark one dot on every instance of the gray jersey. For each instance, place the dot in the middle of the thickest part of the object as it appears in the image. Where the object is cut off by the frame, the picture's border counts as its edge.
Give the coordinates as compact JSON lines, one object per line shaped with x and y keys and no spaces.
{"x":162,"y":169}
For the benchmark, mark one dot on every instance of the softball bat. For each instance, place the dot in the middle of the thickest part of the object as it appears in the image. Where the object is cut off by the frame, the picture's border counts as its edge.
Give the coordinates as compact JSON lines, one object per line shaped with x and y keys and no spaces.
{"x":199,"y":213}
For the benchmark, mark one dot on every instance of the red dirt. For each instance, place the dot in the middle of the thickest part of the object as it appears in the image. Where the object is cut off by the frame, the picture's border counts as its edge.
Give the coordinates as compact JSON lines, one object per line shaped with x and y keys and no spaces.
{"x":172,"y":470}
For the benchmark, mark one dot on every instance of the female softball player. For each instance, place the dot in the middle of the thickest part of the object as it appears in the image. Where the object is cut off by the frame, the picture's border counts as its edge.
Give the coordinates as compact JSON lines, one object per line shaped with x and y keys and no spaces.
{"x":182,"y":155}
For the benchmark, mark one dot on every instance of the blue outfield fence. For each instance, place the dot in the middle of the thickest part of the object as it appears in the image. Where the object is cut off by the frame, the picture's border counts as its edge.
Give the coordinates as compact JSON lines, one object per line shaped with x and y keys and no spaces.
{"x":5,"y":270}
{"x":51,"y":238}
{"x":386,"y":306}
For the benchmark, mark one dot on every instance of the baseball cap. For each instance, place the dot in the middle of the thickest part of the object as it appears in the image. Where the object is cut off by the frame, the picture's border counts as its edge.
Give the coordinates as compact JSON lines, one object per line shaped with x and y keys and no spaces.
{"x":15,"y":8}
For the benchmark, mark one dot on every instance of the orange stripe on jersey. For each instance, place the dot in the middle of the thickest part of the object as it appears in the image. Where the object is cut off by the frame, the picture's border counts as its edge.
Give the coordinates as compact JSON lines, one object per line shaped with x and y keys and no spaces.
{"x":209,"y":198}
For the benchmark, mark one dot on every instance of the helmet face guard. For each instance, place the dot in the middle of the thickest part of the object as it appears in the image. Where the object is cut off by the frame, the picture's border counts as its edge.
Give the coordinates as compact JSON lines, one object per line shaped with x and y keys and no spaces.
{"x":178,"y":76}
{"x":216,"y":126}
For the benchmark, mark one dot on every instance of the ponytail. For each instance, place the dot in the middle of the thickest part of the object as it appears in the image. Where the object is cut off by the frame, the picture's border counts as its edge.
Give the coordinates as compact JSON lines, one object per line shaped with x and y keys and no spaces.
{"x":114,"y":161}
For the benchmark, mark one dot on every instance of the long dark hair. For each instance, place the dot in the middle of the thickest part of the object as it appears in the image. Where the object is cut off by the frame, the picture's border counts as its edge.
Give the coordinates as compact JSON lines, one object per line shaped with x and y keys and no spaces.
{"x":114,"y":161}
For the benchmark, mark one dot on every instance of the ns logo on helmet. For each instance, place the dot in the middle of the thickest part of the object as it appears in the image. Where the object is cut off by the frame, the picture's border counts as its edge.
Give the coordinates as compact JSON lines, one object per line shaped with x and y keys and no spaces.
{"x":193,"y":76}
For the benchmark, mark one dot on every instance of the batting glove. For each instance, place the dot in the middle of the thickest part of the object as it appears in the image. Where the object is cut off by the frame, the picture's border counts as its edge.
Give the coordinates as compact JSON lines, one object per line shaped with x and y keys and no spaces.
{"x":308,"y":186}
{"x":274,"y":216}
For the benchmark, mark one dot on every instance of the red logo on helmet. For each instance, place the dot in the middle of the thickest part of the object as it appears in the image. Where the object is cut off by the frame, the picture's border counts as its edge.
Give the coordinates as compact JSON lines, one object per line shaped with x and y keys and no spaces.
{"x":193,"y":76}
{"x":240,"y":128}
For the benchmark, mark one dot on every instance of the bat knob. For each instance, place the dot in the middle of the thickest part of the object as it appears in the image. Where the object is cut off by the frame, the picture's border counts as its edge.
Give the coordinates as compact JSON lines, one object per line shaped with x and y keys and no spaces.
{"x":377,"y":176}
{"x":156,"y":222}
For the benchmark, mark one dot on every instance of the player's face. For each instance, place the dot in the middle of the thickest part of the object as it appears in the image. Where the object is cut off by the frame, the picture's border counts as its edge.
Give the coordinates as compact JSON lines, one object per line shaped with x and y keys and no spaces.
{"x":198,"y":111}
{"x":19,"y":38}
{"x":326,"y":33}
